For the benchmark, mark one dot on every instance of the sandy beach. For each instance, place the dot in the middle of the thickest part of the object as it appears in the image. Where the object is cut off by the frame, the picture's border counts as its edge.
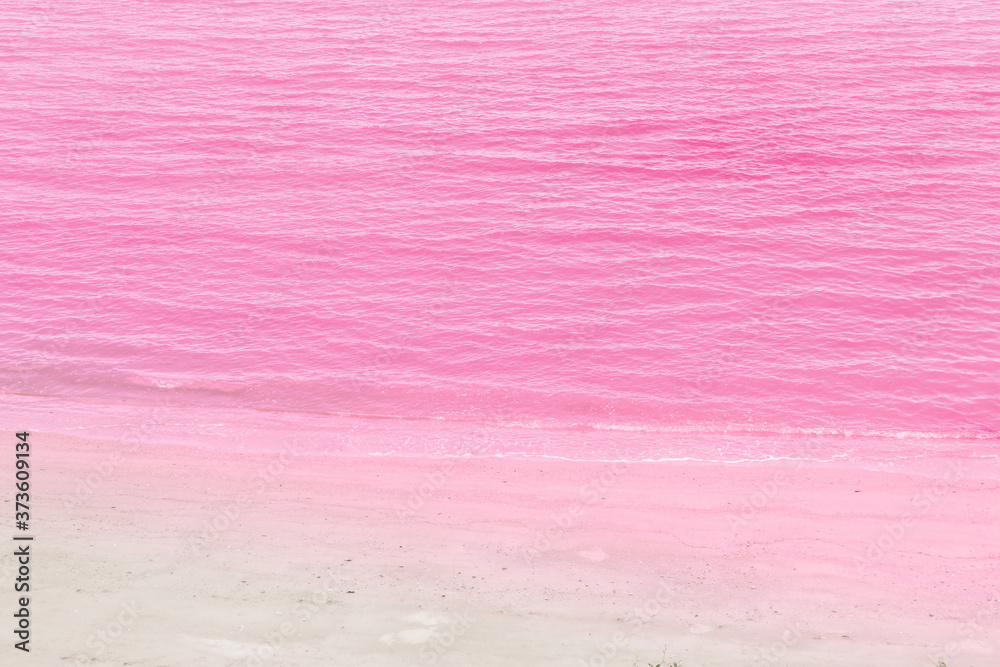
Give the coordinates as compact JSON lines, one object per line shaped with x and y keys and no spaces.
{"x":160,"y":559}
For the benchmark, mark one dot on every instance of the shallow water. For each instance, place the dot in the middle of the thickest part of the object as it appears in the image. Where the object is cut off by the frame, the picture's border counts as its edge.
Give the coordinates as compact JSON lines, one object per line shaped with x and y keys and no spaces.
{"x":665,"y":229}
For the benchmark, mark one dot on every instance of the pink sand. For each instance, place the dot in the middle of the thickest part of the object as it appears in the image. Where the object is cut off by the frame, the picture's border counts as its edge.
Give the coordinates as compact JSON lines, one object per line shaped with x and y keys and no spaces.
{"x":507,"y":561}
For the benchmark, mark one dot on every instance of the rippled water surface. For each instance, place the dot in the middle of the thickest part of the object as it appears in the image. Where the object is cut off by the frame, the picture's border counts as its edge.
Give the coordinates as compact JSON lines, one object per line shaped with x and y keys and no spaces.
{"x":652,"y":217}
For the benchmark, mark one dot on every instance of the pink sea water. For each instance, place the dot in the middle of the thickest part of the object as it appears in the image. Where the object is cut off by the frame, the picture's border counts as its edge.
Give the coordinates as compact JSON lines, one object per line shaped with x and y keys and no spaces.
{"x":632,"y":230}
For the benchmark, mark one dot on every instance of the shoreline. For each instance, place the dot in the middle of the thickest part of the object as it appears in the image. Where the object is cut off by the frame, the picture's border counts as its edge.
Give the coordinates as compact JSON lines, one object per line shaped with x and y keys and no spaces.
{"x":221,"y":431}
{"x":228,"y":558}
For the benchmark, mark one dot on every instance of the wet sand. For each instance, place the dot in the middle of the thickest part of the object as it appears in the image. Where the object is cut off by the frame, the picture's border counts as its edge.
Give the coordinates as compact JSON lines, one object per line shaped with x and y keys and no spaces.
{"x":170,"y":556}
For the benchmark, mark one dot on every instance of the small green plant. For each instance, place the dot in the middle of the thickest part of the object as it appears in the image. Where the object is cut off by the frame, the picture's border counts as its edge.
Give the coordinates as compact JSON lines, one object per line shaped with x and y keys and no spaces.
{"x":941,"y":664}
